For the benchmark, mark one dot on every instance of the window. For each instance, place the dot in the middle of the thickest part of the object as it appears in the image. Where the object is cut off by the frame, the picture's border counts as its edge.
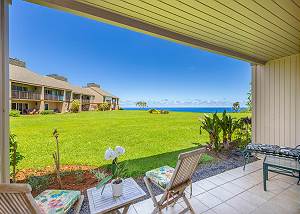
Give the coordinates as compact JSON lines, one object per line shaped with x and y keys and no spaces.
{"x":14,"y":106}
{"x":46,"y":106}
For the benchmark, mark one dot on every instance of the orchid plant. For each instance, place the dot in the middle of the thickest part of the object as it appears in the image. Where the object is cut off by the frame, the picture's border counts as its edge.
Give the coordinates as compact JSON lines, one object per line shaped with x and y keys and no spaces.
{"x":118,"y":170}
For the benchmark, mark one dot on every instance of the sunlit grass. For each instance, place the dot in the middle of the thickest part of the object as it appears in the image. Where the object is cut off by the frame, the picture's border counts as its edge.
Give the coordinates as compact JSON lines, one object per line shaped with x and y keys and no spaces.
{"x":150,"y":140}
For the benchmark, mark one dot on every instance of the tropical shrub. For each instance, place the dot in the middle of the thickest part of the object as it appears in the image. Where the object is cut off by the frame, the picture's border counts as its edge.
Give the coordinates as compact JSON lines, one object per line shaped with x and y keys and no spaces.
{"x":211,"y":124}
{"x":75,"y":106}
{"x":228,"y":126}
{"x":103,"y":106}
{"x":48,"y":112}
{"x":14,"y":155}
{"x":244,"y":133}
{"x":56,"y":158}
{"x":14,"y":113}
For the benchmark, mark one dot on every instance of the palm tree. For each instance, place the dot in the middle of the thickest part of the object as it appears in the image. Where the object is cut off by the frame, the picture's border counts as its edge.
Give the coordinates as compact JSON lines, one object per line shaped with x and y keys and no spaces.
{"x":141,"y":104}
{"x":236,"y":106}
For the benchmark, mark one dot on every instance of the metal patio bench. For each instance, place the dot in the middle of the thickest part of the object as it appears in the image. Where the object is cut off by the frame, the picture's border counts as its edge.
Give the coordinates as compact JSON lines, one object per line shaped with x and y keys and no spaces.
{"x":272,"y":150}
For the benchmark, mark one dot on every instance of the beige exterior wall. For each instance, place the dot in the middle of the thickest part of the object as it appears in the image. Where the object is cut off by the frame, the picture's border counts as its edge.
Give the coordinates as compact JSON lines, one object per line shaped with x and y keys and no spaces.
{"x":276,"y":97}
{"x":55,"y":105}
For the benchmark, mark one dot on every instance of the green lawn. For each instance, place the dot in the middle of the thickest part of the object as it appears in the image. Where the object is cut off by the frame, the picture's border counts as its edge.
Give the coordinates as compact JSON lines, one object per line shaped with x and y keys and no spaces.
{"x":150,"y":140}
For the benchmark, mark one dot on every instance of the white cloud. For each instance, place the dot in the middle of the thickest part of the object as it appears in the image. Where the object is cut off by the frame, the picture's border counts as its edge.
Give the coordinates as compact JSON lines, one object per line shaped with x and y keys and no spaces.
{"x":182,"y":103}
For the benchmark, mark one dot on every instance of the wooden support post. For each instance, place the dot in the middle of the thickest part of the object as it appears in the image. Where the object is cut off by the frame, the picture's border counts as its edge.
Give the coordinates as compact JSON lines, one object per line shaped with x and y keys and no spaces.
{"x":4,"y":93}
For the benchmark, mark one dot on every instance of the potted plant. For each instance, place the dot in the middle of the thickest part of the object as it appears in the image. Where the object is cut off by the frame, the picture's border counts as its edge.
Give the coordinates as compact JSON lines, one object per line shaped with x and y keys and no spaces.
{"x":118,"y":170}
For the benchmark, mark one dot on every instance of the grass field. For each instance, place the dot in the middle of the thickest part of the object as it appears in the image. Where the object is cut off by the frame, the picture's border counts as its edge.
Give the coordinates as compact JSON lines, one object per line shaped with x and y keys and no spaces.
{"x":150,"y":140}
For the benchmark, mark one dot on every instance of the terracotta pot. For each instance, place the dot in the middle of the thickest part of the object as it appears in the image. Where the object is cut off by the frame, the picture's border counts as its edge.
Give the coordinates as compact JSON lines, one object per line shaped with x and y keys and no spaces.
{"x":117,"y":188}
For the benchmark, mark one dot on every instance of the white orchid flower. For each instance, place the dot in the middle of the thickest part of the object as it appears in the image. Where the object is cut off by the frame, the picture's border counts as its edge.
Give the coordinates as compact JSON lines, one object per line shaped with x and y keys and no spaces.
{"x":120,"y":150}
{"x":110,"y":154}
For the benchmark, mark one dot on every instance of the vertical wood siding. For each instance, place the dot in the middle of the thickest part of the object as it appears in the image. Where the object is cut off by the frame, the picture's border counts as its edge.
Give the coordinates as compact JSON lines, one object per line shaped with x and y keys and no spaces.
{"x":276,"y":99}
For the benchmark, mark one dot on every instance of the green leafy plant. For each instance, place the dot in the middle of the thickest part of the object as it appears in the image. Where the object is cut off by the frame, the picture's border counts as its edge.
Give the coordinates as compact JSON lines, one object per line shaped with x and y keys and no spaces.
{"x":56,"y":158}
{"x":211,"y":124}
{"x":228,"y":126}
{"x":243,"y":136}
{"x":15,"y":156}
{"x":14,"y":113}
{"x":75,"y":106}
{"x":38,"y":183}
{"x":98,"y":174}
{"x":79,"y":175}
{"x":205,"y":159}
{"x":249,"y":99}
{"x":103,"y":106}
{"x":48,"y":112}
{"x":118,"y":170}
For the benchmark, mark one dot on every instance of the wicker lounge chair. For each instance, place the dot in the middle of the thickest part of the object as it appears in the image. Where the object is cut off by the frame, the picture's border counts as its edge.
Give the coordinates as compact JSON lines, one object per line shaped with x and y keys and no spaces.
{"x":174,"y":181}
{"x":17,"y":199}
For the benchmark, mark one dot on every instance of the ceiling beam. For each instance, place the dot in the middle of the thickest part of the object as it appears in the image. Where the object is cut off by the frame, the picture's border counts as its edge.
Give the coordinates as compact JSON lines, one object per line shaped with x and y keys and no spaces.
{"x":100,"y":14}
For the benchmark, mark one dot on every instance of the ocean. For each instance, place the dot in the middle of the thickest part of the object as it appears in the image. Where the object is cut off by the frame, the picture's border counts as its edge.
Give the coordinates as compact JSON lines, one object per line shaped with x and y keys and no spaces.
{"x":189,"y":109}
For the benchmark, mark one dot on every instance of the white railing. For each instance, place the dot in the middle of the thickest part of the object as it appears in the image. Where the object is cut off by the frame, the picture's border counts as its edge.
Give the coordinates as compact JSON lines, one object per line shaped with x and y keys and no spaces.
{"x":26,"y":95}
{"x":54,"y":97}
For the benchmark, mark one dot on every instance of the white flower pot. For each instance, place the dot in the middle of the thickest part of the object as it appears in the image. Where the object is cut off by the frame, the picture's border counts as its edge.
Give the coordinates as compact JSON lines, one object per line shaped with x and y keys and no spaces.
{"x":117,"y":188}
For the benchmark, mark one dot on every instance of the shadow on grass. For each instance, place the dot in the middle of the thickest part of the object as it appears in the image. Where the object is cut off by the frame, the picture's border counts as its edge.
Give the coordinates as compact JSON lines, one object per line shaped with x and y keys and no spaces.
{"x":138,"y":167}
{"x":83,"y":178}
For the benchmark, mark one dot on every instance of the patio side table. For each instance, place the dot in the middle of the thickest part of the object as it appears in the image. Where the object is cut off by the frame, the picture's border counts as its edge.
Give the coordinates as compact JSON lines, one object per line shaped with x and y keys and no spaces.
{"x":106,"y":203}
{"x":280,"y":165}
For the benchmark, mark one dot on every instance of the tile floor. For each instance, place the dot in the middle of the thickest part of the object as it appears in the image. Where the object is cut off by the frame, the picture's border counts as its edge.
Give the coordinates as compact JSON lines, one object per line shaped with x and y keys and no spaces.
{"x":238,"y":191}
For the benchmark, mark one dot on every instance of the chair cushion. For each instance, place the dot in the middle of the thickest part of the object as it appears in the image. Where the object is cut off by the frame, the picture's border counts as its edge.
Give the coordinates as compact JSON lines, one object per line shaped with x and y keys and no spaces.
{"x":274,"y":150}
{"x":161,"y":175}
{"x":56,"y":201}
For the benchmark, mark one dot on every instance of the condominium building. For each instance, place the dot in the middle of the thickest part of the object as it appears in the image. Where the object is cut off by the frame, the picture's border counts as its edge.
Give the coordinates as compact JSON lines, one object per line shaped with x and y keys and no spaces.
{"x":31,"y":92}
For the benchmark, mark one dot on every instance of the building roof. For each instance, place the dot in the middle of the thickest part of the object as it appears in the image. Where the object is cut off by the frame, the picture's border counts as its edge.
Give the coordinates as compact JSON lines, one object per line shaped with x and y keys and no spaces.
{"x":24,"y":75}
{"x":101,"y":92}
{"x":255,"y":31}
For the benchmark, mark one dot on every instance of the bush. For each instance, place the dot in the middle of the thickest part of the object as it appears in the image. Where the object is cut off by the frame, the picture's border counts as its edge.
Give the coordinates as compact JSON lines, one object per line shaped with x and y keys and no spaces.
{"x":48,"y":112}
{"x":39,"y":183}
{"x":205,"y":158}
{"x":103,"y":107}
{"x":164,"y":112}
{"x":212,"y":126}
{"x":75,"y":106}
{"x":14,"y":113}
{"x":244,"y":133}
{"x":154,"y":111}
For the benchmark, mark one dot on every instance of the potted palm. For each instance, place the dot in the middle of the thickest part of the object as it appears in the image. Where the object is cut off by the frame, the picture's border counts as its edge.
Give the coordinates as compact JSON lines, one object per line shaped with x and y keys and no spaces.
{"x":118,"y":171}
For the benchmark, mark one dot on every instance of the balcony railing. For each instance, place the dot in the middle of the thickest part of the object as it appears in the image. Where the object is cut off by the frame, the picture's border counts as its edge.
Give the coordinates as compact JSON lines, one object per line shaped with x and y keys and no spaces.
{"x":85,"y":101}
{"x":26,"y":95}
{"x":54,"y":97}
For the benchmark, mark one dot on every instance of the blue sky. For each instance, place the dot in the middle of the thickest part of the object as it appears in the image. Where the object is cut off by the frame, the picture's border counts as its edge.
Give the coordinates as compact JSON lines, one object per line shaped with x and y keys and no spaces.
{"x":131,"y":65}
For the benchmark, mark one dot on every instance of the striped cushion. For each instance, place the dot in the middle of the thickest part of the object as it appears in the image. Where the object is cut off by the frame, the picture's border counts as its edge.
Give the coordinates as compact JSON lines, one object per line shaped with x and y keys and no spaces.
{"x":161,"y":175}
{"x":56,"y":201}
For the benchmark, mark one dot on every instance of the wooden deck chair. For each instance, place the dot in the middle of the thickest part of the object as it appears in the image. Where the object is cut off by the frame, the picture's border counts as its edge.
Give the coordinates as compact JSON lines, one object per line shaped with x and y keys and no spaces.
{"x":17,"y":199}
{"x":174,"y":181}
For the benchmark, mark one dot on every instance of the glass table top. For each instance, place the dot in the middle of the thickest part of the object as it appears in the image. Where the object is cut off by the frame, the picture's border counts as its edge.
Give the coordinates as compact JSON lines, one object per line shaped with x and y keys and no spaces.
{"x":282,"y":162}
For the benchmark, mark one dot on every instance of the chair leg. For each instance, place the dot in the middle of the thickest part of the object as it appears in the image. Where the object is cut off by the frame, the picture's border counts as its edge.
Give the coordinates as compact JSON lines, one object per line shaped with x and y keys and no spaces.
{"x":78,"y":205}
{"x":189,"y":206}
{"x":148,"y":185}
